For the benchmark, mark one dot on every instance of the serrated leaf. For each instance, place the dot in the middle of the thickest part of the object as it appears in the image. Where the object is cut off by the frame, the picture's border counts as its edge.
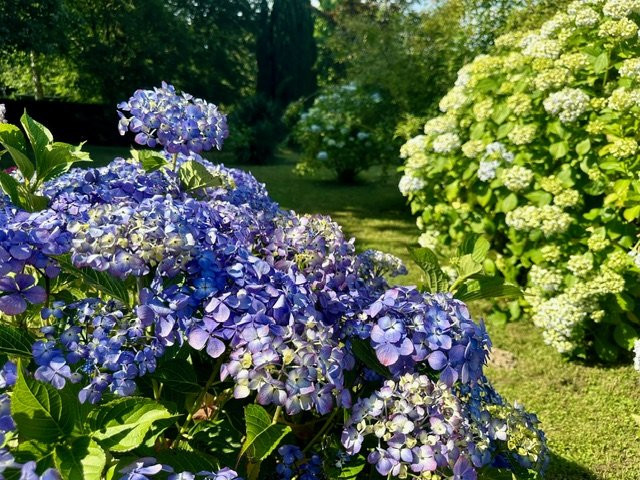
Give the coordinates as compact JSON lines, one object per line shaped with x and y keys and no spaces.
{"x":601,"y":63}
{"x":349,"y":470}
{"x":10,"y":186}
{"x":435,"y":280}
{"x":12,"y":139}
{"x":39,"y":411}
{"x":193,"y":175}
{"x":101,"y":281}
{"x":58,"y":158}
{"x":149,"y":159}
{"x":82,"y":460}
{"x":263,"y":436}
{"x":467,"y":266}
{"x":364,"y":352}
{"x":179,"y":375}
{"x":485,"y":287}
{"x":39,"y":137}
{"x":121,"y":425}
{"x":15,"y":341}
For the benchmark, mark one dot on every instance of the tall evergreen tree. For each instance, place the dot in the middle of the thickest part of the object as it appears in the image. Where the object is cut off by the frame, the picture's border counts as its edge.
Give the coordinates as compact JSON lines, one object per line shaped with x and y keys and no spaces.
{"x":287,"y":52}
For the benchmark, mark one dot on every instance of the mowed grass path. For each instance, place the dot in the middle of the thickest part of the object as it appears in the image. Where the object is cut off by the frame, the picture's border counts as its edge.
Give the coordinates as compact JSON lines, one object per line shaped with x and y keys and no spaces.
{"x":585,"y":410}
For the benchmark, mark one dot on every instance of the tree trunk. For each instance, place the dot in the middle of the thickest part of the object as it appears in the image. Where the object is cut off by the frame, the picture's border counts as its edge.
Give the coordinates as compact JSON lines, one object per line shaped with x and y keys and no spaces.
{"x":35,"y":77}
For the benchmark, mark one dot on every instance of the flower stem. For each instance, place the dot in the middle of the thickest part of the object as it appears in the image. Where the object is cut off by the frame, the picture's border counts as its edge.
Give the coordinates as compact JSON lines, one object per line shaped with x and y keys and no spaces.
{"x":197,"y":403}
{"x":175,"y":161}
{"x":322,"y":430}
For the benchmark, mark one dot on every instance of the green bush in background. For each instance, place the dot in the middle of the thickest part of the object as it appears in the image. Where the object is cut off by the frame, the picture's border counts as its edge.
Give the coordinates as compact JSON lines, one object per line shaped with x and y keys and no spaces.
{"x":537,"y":148}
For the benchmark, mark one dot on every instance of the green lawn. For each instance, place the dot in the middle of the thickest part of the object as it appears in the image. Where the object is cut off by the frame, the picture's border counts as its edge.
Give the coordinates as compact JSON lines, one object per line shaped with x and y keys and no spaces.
{"x":585,"y":410}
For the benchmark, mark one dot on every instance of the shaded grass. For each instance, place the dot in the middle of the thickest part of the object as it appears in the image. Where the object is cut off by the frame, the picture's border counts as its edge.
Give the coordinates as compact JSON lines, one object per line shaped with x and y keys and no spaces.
{"x":585,"y":410}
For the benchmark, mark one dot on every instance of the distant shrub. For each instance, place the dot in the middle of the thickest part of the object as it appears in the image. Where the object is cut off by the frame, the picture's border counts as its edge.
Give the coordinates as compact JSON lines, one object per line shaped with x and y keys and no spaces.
{"x":257,"y":130}
{"x":346,"y":130}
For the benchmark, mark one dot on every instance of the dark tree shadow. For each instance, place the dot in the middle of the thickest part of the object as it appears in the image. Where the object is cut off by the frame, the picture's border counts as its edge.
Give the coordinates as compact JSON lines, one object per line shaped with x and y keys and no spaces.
{"x":563,"y":469}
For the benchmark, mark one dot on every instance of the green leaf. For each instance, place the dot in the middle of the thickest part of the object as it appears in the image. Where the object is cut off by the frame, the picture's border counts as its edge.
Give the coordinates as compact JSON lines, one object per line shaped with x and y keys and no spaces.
{"x":601,"y":63}
{"x":603,"y":347}
{"x":193,"y":175}
{"x":39,"y":411}
{"x":509,"y":202}
{"x":467,"y":266}
{"x":364,"y":352}
{"x":263,"y":436}
{"x":349,"y":470}
{"x":15,"y":341}
{"x":101,"y":281}
{"x":179,"y":375}
{"x":13,"y":140}
{"x":435,"y":279}
{"x":630,"y":214}
{"x":82,"y":460}
{"x":149,"y":159}
{"x":121,"y":425}
{"x":500,"y":113}
{"x":11,"y":187}
{"x":583,"y":147}
{"x":625,"y":336}
{"x":58,"y":158}
{"x":39,"y":136}
{"x":485,"y":287}
{"x":559,"y":149}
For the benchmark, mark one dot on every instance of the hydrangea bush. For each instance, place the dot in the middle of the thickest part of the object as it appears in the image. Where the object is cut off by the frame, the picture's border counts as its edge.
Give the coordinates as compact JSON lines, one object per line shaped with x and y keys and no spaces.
{"x":347,"y":131}
{"x":537,"y":149}
{"x":163,"y":318}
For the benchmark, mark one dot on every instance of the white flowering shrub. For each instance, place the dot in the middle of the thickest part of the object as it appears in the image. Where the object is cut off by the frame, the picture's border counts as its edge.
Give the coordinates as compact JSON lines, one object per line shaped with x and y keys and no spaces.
{"x":346,"y":130}
{"x":537,"y":148}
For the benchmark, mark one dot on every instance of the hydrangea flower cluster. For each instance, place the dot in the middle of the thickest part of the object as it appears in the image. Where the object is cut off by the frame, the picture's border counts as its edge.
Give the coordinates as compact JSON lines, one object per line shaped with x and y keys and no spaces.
{"x":179,"y":123}
{"x":346,"y":130}
{"x":128,"y":270}
{"x":422,"y":426}
{"x":545,"y":151}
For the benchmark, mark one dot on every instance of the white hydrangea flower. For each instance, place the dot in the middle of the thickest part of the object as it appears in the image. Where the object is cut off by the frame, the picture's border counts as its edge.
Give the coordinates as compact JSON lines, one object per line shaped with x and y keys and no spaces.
{"x":473,"y":148}
{"x":482,"y":110}
{"x":623,"y":147}
{"x":446,"y":143}
{"x":516,"y":178}
{"x":454,"y":100}
{"x":585,"y":17}
{"x":580,"y":265}
{"x":630,"y":68}
{"x":618,"y":29}
{"x":522,"y":134}
{"x":519,"y":103}
{"x":413,"y":146}
{"x":623,"y":99}
{"x":548,"y":280}
{"x":636,"y":351}
{"x":551,"y":219}
{"x":617,"y":8}
{"x":487,"y":170}
{"x":410,"y":184}
{"x":440,"y":125}
{"x":497,"y":151}
{"x":429,"y":239}
{"x":635,"y":256}
{"x":568,"y":104}
{"x":567,"y":198}
{"x":552,"y":78}
{"x":540,"y":47}
{"x":560,"y":317}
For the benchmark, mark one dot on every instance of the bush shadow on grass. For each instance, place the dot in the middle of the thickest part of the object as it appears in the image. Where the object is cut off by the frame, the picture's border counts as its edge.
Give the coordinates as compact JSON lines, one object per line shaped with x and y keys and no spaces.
{"x":563,"y":469}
